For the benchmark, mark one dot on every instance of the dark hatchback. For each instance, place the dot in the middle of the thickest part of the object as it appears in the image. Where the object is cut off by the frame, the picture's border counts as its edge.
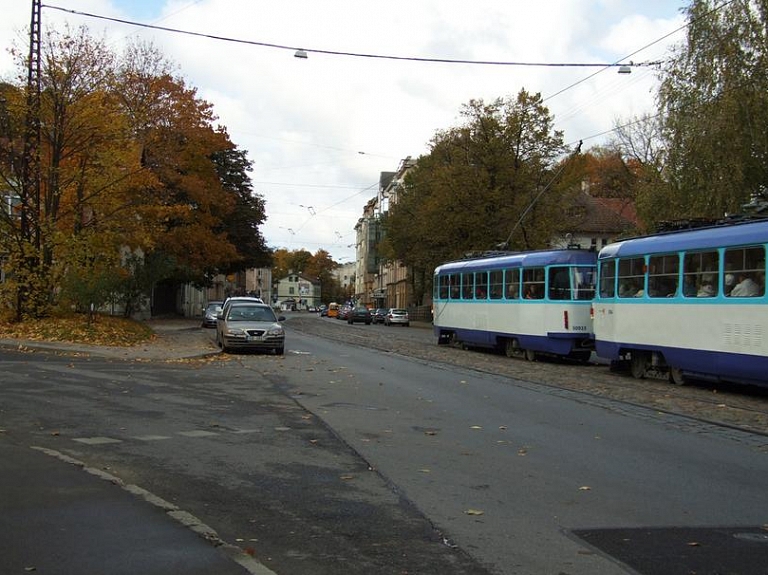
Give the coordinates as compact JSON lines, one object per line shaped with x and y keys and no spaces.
{"x":359,"y":314}
{"x":379,"y":315}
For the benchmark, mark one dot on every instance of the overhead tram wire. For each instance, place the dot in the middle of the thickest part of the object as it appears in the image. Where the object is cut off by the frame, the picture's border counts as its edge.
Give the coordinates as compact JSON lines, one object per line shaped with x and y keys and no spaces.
{"x":656,"y":64}
{"x":350,"y":54}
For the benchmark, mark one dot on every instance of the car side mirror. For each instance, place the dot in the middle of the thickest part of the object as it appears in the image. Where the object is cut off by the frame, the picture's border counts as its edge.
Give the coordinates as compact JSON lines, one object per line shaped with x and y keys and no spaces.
{"x":281,"y":318}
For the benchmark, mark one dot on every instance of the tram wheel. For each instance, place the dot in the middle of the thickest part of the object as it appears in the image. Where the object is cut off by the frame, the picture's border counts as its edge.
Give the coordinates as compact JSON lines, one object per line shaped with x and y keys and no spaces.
{"x":530,"y":355}
{"x":638,"y":364}
{"x":676,"y":376}
{"x":511,"y":349}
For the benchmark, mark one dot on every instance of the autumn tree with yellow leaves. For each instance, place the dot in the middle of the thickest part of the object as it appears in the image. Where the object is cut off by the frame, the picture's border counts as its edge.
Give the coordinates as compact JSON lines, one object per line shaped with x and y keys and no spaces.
{"x":137,"y":182}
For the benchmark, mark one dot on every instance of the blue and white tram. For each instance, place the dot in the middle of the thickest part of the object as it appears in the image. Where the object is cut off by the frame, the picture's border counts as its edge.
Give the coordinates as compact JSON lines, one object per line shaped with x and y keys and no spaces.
{"x":689,"y":303}
{"x":522,"y":303}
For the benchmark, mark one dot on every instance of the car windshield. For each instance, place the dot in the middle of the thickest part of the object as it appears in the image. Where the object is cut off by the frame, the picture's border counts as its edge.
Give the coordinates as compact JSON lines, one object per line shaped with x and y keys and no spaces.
{"x":398,"y":311}
{"x":250,"y":313}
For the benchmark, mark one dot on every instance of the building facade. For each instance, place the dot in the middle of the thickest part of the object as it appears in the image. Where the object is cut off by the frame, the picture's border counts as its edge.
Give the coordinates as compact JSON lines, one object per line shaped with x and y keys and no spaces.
{"x":381,"y":282}
{"x":296,"y":292}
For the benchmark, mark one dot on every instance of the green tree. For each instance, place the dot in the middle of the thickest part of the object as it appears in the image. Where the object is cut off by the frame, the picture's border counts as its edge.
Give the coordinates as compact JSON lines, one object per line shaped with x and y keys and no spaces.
{"x":242,"y":225}
{"x":468,"y":193}
{"x":714,"y":104}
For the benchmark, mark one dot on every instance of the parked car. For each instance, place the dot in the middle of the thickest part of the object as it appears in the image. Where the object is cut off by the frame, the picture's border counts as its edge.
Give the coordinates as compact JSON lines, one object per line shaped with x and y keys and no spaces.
{"x":249,"y":326}
{"x":379,"y":314}
{"x":210,"y":312}
{"x":360,"y":313}
{"x":397,"y":316}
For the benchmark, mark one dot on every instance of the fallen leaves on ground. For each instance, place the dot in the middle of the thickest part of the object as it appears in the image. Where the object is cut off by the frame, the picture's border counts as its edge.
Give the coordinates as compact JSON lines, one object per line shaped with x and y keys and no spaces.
{"x":102,"y":330}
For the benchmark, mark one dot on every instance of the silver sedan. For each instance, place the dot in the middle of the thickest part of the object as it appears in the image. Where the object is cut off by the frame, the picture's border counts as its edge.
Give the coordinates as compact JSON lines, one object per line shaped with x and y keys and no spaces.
{"x":250,"y":326}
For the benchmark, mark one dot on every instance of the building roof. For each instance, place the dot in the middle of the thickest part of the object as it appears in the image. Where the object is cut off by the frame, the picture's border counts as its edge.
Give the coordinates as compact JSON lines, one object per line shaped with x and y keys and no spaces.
{"x":602,"y":215}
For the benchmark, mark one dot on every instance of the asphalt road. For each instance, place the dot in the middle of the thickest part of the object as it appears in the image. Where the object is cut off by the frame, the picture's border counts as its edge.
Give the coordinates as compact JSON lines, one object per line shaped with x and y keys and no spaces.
{"x":372,"y":450}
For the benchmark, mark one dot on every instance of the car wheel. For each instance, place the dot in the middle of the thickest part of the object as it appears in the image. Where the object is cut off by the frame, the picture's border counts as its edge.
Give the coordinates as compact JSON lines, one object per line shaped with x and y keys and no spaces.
{"x":280,"y":351}
{"x":367,"y":323}
{"x":406,"y":324}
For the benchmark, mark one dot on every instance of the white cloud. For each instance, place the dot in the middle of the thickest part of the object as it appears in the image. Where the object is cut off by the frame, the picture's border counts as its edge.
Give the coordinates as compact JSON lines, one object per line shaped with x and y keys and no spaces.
{"x":305,"y":122}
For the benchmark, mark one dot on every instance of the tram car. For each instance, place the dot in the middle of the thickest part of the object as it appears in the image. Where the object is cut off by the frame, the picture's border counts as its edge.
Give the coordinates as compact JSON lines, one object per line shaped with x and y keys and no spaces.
{"x":686,"y":304}
{"x":521,"y":303}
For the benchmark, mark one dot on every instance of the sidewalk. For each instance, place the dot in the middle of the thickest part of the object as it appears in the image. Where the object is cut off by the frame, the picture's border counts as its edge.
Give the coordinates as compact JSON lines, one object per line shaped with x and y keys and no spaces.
{"x":58,"y":517}
{"x":176,"y":339}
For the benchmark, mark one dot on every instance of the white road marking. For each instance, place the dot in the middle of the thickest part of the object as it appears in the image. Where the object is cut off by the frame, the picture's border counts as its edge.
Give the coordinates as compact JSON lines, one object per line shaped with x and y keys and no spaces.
{"x":196,"y":433}
{"x":97,"y":440}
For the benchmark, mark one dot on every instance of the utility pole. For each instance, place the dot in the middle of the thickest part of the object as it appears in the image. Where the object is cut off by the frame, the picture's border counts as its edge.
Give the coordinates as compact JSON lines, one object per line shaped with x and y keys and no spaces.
{"x":30,"y":167}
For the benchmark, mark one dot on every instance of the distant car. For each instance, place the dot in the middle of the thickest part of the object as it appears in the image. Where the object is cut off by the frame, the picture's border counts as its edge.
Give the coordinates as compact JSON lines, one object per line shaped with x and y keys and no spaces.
{"x":397,"y":316}
{"x":379,"y":314}
{"x":249,"y":326}
{"x":246,"y":298}
{"x":361,"y":314}
{"x":242,"y":299}
{"x":210,"y":312}
{"x":344,"y":312}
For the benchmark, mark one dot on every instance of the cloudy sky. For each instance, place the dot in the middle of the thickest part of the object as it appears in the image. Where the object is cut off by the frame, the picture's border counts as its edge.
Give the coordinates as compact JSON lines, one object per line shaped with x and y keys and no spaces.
{"x":320,"y":130}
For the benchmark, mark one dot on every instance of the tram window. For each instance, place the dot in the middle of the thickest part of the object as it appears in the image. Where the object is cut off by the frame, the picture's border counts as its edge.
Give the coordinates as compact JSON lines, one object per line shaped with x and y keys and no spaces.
{"x":663,"y":275}
{"x":745,"y":272}
{"x":700,"y":272}
{"x":441,"y":287}
{"x":533,"y":283}
{"x":512,"y":283}
{"x":632,"y":277}
{"x":481,"y":285}
{"x":559,"y":283}
{"x":467,"y":286}
{"x":608,"y":278}
{"x":583,"y":281}
{"x":497,"y":284}
{"x":454,"y":282}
